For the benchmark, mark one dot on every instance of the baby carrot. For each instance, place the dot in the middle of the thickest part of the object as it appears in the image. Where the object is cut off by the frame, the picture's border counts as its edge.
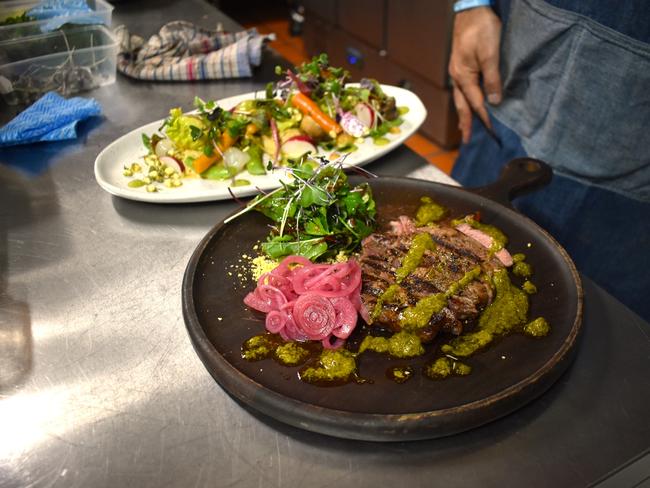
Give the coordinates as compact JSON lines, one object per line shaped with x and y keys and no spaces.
{"x":203,"y":162}
{"x":307,"y":106}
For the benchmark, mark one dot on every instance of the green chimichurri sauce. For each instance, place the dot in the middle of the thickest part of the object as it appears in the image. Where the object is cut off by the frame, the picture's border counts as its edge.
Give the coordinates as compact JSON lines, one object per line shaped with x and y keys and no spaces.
{"x":429,"y":212}
{"x":529,"y":287}
{"x":419,"y":315}
{"x":537,"y":328}
{"x":390,"y":295}
{"x":291,"y":354}
{"x":400,"y":345}
{"x":516,"y":258}
{"x":259,"y":347}
{"x":499,"y":239}
{"x":265,"y":346}
{"x":399,"y":374}
{"x":467,"y":278}
{"x":508,"y":311}
{"x":241,"y":182}
{"x":136,"y":183}
{"x":444,"y":367}
{"x":420,"y":244}
{"x":334,"y":367}
{"x":522,"y":269}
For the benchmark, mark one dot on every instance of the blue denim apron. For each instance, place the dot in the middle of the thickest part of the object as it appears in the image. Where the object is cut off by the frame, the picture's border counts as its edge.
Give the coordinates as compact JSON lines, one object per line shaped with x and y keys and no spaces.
{"x":576,"y":82}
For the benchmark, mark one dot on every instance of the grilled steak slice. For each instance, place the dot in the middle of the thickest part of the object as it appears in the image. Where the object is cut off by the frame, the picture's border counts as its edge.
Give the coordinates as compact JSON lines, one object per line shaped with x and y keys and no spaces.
{"x":454,"y":255}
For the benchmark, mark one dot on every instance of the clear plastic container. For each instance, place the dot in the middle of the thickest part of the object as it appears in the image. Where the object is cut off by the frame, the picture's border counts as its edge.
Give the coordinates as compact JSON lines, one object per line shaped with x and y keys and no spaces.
{"x":102,"y":13}
{"x":66,"y":61}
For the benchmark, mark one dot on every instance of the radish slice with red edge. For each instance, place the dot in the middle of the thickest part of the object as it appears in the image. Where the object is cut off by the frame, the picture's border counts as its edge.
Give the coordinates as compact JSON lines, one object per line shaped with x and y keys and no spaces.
{"x":352,"y":125}
{"x":297,"y":146}
{"x":366,"y":114}
{"x":172,"y":163}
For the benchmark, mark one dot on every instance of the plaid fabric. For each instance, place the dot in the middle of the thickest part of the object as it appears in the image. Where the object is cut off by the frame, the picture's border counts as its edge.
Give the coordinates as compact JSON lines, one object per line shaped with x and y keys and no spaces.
{"x":182,"y":51}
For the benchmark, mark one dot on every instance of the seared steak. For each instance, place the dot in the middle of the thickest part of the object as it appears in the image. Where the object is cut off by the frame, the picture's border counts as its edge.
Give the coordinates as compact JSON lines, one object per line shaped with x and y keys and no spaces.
{"x":454,"y":255}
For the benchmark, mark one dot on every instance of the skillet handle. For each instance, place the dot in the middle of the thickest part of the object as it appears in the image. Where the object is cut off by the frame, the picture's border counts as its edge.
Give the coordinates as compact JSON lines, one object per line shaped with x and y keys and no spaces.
{"x":518,"y":177}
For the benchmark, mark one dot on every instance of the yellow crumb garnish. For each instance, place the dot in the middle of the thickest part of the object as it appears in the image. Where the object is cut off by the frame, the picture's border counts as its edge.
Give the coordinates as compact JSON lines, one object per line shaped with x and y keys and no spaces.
{"x":261,"y":265}
{"x":341,"y":257}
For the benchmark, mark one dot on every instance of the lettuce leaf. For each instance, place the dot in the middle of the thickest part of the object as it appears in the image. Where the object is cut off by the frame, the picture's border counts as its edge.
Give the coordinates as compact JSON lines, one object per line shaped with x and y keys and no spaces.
{"x":185,"y":131}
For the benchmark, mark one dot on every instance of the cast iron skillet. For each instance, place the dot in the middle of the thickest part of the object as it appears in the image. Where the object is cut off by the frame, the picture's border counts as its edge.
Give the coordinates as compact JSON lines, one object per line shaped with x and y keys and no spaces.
{"x":509,"y":374}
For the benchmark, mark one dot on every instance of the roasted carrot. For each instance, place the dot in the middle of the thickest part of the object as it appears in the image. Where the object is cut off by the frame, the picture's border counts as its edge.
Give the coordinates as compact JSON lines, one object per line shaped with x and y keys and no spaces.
{"x":307,"y":106}
{"x":227,"y":140}
{"x":203,"y":162}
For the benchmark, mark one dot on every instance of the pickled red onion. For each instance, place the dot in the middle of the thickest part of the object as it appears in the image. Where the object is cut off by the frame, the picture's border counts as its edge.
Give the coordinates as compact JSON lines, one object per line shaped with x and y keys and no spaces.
{"x":306,"y":301}
{"x":314,"y":315}
{"x":275,"y":321}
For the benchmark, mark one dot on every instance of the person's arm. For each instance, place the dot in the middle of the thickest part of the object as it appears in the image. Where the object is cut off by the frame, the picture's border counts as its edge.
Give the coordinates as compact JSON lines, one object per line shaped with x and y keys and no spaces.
{"x":475,"y":57}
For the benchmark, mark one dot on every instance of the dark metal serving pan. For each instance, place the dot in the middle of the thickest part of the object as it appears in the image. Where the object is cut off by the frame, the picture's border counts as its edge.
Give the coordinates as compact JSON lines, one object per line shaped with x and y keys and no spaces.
{"x":504,"y":377}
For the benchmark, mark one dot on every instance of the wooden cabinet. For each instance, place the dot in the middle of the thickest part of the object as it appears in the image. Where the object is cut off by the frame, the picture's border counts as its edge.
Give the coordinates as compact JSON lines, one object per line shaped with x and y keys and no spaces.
{"x":418,"y":34}
{"x":398,"y":42}
{"x":325,"y":9}
{"x":364,"y":19}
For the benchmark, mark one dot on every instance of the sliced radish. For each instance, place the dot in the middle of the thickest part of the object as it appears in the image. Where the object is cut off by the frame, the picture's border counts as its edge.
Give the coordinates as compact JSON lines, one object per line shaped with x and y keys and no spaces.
{"x":172,"y":163}
{"x":366,"y":114}
{"x":353,"y":126}
{"x":297,"y":146}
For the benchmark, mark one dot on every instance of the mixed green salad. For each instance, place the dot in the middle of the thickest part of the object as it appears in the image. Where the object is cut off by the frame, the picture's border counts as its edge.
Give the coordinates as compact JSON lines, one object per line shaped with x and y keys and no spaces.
{"x":311,"y":108}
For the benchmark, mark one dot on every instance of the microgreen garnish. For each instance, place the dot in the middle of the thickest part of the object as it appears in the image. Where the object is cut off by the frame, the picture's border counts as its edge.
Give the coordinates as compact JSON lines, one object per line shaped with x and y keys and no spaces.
{"x":318,"y":215}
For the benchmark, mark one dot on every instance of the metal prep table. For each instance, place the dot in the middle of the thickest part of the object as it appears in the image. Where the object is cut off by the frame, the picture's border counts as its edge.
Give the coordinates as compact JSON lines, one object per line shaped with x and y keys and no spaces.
{"x":100,"y":386}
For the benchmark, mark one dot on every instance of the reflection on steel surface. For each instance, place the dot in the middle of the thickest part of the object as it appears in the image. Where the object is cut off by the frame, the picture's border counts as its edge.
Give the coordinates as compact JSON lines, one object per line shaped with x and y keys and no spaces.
{"x":15,"y":342}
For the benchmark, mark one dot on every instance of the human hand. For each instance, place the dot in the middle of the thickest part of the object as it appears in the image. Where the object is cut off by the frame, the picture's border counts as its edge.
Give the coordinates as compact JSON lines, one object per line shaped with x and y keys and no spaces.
{"x":475,"y":54}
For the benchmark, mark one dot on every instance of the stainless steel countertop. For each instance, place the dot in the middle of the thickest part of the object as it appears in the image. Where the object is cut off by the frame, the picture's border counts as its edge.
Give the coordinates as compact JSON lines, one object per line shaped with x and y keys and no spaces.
{"x":100,"y":386}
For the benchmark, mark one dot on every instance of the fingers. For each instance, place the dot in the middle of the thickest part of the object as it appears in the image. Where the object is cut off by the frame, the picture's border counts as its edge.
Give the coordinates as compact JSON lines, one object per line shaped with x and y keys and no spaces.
{"x":466,"y":72}
{"x":464,"y":114}
{"x":474,"y":65}
{"x":492,"y":78}
{"x":474,"y":96}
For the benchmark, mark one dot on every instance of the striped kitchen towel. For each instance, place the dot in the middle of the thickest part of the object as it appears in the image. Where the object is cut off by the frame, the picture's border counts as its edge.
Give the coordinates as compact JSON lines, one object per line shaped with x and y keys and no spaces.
{"x":182,"y":51}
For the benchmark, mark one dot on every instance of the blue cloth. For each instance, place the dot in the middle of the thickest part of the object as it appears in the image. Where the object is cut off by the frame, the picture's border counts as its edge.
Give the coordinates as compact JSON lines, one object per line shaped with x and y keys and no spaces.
{"x":461,"y":5}
{"x":59,"y":12}
{"x":51,"y":118}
